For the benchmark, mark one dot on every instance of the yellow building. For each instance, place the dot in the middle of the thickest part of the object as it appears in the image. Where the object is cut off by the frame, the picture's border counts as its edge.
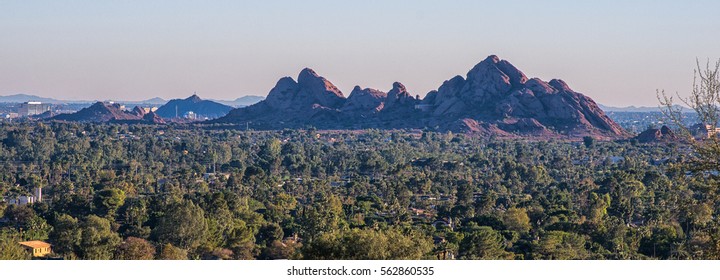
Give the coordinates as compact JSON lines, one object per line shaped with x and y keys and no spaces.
{"x":37,"y":247}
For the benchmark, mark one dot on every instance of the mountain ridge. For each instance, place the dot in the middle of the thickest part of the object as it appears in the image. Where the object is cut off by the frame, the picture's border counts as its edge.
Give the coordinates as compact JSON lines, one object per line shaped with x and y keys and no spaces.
{"x":494,"y":98}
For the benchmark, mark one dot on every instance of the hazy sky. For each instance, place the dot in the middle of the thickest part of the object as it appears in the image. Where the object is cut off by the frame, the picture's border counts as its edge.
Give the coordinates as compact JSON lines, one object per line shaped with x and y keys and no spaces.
{"x":616,"y":52}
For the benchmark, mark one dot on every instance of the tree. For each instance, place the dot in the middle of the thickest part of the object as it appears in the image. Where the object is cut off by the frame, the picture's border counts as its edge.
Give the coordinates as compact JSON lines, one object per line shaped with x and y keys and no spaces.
{"x":369,"y":244}
{"x":516,"y":219}
{"x":183,"y":225}
{"x":134,"y":215}
{"x":66,"y":235}
{"x":588,"y":141}
{"x":269,"y":233}
{"x":281,"y":250}
{"x":270,"y":155}
{"x":662,"y":242}
{"x":483,"y":243}
{"x":170,"y":252}
{"x":107,"y":201}
{"x":98,"y":240}
{"x":134,"y":248}
{"x":10,"y":249}
{"x":241,"y":240}
{"x":325,"y":215}
{"x":560,"y":245}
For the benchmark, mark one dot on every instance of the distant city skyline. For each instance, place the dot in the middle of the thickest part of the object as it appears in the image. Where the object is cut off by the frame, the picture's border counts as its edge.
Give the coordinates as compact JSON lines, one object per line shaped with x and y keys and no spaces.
{"x":616,"y":52}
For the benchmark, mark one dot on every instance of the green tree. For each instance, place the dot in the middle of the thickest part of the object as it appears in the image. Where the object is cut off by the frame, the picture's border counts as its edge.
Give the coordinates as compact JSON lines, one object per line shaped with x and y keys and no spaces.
{"x":483,"y":243}
{"x":369,"y":244}
{"x":10,"y":249}
{"x":170,"y":252}
{"x":66,"y":235}
{"x":588,"y":141}
{"x":99,"y":241}
{"x":516,"y":219}
{"x":183,"y":225}
{"x":325,"y":215}
{"x":560,"y":245}
{"x":107,"y":201}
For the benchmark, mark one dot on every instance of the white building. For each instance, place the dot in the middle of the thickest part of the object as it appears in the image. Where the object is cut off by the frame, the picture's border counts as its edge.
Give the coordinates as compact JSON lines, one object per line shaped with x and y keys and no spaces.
{"x":22,"y":200}
{"x":190,"y":115}
{"x":26,"y":199}
{"x":33,"y":108}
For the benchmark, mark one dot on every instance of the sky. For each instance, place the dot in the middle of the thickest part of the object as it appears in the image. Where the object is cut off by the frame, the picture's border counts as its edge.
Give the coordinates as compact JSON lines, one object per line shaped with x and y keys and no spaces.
{"x":617,"y":52}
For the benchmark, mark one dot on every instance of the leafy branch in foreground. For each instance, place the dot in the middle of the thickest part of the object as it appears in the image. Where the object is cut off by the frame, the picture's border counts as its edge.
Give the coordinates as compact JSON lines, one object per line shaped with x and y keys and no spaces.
{"x":704,"y":99}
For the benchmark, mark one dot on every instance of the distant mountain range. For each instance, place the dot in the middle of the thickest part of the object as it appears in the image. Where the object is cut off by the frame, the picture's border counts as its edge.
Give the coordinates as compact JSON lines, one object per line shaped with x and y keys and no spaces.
{"x":21,"y":98}
{"x":641,"y":109}
{"x":494,"y":98}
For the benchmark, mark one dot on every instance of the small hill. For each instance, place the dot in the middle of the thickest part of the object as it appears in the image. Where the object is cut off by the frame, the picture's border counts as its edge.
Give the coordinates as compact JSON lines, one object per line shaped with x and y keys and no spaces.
{"x":242,"y":101}
{"x":202,"y":108}
{"x":100,"y":112}
{"x":152,"y":101}
{"x":654,"y":135}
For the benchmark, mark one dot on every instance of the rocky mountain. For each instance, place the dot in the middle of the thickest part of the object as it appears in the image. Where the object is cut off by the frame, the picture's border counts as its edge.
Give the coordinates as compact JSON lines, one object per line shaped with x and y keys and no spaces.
{"x":653,"y":135}
{"x":109,"y":112}
{"x":177,"y":108}
{"x":496,"y":93}
{"x":494,"y":98}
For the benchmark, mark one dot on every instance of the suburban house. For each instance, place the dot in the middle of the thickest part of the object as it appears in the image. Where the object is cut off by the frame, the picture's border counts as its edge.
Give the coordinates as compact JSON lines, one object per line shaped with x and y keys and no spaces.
{"x":37,"y":248}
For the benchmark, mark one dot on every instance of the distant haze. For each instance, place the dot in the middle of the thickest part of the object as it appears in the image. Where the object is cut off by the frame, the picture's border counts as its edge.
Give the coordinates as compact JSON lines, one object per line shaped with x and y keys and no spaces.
{"x":616,"y":52}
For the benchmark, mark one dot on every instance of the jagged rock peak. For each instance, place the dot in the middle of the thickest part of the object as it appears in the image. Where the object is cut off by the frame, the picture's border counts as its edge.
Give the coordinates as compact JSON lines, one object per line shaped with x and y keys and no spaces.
{"x":358,"y":91}
{"x":308,"y":78}
{"x":399,"y":87}
{"x":307,"y":74}
{"x":397,"y":92}
{"x":497,"y":70}
{"x":492,"y":59}
{"x":365,"y":100}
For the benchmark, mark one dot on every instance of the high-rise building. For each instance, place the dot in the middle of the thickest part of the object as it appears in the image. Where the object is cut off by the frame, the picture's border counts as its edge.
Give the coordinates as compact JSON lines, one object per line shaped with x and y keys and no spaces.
{"x":33,"y":108}
{"x":190,"y":115}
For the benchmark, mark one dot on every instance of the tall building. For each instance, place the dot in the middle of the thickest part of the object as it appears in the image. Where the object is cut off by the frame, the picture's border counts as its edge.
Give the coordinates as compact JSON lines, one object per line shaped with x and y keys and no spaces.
{"x":190,"y":115}
{"x":33,"y":108}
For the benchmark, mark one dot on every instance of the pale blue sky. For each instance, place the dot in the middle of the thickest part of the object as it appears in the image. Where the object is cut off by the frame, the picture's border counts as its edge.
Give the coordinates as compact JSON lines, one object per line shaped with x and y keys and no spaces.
{"x":616,"y":52}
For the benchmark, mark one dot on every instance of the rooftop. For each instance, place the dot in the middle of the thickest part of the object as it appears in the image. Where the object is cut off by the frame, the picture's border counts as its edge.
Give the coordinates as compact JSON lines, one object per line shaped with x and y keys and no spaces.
{"x":35,"y":244}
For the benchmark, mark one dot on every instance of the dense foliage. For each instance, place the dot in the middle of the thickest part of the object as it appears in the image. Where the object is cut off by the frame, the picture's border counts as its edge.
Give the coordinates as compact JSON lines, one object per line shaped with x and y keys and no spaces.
{"x":189,"y":192}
